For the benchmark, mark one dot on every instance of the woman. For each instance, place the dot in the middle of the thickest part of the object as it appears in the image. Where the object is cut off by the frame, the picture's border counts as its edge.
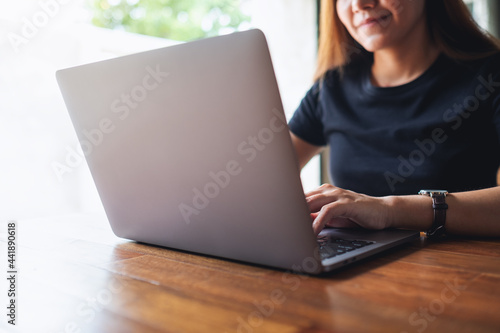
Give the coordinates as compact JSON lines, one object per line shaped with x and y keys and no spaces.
{"x":407,"y":96}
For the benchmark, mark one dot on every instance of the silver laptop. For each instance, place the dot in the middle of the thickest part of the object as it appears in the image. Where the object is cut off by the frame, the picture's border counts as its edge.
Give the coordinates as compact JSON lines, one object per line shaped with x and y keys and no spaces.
{"x":189,"y":149}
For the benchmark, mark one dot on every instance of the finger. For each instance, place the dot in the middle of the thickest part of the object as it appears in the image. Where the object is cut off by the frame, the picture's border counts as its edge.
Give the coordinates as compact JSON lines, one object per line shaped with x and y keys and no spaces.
{"x":341,"y":222}
{"x":328,"y":213}
{"x":313,"y":192}
{"x":316,"y":202}
{"x":322,"y":189}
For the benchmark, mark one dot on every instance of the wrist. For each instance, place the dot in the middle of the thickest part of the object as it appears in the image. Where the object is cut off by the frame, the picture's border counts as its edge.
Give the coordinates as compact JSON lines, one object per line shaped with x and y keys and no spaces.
{"x":409,"y":212}
{"x":390,"y":203}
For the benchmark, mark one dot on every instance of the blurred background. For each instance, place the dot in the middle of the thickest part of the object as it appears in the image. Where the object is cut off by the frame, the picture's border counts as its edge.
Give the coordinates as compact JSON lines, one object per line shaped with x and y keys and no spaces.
{"x":42,"y":172}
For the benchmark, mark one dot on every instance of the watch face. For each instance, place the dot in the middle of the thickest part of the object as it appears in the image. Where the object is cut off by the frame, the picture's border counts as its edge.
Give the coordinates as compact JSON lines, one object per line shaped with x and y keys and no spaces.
{"x":433,"y":192}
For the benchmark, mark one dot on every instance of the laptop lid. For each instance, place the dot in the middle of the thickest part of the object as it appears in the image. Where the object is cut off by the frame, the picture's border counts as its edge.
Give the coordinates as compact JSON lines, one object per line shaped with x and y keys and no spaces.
{"x":189,"y":148}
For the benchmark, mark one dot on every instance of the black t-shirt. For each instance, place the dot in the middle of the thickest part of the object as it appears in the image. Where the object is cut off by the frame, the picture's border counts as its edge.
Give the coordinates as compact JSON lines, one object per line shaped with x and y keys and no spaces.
{"x":440,"y":131}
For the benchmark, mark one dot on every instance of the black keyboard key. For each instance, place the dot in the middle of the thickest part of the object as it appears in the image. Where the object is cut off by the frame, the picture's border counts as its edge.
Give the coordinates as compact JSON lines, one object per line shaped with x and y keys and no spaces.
{"x":331,"y":247}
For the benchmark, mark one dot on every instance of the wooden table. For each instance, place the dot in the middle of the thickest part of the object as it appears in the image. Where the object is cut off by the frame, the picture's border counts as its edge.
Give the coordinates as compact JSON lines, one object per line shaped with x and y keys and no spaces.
{"x":74,"y":275}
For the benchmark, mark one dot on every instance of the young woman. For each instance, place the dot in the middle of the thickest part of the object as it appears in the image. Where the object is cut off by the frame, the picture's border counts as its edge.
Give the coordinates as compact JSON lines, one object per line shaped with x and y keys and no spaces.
{"x":407,"y":97}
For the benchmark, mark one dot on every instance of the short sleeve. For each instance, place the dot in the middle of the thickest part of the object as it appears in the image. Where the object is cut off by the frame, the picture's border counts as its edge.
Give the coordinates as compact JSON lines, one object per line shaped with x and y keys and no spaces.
{"x":306,"y":122}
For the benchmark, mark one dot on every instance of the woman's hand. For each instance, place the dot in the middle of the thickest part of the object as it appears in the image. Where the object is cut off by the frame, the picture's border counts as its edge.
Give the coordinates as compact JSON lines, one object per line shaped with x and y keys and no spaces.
{"x":334,"y":207}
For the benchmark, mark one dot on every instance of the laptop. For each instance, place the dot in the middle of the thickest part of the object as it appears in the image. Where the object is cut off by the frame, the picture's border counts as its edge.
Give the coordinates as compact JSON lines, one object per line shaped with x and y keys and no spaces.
{"x":189,"y":149}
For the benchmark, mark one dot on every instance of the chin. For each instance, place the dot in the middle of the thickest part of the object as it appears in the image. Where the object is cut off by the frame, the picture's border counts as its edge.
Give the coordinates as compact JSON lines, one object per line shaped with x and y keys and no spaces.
{"x":374,"y":44}
{"x":372,"y":48}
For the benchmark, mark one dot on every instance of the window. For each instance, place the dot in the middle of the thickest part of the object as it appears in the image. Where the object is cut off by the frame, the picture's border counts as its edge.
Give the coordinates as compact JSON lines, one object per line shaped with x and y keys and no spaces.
{"x":486,"y":13}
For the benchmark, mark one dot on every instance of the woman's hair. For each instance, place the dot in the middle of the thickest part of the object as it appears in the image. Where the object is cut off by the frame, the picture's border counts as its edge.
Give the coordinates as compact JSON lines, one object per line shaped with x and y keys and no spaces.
{"x":450,"y":24}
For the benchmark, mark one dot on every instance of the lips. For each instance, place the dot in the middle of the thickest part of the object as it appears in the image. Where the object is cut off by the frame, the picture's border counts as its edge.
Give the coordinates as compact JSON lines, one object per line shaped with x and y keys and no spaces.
{"x":373,"y":20}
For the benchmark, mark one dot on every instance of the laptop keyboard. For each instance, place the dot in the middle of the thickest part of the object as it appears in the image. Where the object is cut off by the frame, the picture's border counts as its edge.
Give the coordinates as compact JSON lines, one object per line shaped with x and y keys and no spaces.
{"x":331,"y":247}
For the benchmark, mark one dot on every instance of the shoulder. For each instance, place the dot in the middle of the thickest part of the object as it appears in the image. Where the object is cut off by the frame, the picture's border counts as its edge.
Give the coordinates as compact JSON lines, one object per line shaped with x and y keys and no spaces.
{"x":485,"y":73}
{"x":489,"y":65}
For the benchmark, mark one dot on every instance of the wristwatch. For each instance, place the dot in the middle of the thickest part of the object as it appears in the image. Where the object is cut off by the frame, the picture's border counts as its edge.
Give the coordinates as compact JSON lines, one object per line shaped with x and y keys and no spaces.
{"x":439,"y":205}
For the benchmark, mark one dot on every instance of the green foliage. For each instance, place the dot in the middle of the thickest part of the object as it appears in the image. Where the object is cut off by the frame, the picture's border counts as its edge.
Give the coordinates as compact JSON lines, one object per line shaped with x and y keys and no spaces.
{"x":173,"y":19}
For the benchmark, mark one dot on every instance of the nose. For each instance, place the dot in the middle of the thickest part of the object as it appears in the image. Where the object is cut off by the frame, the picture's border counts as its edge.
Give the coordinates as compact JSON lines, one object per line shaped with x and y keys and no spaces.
{"x":358,"y":5}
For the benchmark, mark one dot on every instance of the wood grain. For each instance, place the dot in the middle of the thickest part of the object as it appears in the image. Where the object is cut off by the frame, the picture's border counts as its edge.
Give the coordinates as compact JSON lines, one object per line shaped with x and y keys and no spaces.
{"x":76,"y":276}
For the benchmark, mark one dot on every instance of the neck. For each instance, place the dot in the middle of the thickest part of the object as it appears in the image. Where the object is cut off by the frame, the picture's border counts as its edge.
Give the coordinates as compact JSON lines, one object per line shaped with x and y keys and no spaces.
{"x":403,"y":63}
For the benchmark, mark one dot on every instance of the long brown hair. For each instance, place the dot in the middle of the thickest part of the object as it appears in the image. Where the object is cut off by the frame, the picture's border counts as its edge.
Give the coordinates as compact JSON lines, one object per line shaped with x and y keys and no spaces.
{"x":450,"y":23}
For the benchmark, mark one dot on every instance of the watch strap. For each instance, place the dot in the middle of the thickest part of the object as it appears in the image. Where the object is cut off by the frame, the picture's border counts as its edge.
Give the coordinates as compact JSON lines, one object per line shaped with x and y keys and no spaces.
{"x":438,"y":225}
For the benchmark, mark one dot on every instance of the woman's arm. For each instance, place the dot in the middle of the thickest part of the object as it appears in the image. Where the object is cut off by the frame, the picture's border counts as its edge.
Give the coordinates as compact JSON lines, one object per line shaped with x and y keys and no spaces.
{"x":305,"y":151}
{"x":474,"y":213}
